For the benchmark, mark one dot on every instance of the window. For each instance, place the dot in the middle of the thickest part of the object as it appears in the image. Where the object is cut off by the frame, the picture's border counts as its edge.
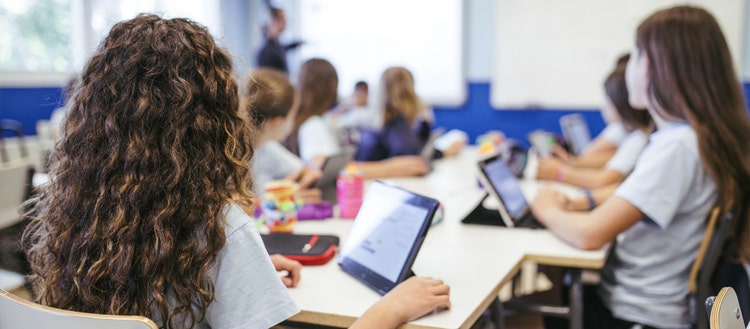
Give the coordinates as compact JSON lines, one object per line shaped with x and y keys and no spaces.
{"x":35,"y":35}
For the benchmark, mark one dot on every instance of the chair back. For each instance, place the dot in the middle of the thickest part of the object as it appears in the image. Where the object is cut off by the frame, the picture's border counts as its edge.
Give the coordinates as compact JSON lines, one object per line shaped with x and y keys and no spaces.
{"x":15,"y":182}
{"x":16,"y":312}
{"x":712,"y":248}
{"x":15,"y":128}
{"x":725,"y":312}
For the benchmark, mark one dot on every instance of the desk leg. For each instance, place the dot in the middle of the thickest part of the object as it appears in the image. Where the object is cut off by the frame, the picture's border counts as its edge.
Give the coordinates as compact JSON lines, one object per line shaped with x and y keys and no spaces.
{"x":576,"y":299}
{"x":496,"y":313}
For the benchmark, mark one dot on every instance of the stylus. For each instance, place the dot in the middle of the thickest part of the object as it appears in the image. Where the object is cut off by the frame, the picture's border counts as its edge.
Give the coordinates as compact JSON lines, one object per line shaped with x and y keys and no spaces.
{"x":310,"y":244}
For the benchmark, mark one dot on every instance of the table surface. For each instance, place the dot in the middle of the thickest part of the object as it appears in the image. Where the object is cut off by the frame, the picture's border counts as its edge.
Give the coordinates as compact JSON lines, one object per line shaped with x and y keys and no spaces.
{"x":475,"y":260}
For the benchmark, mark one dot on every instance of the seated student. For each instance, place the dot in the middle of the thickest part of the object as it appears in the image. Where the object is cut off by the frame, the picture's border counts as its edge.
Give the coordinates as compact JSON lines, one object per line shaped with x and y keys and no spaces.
{"x":696,"y":160}
{"x":141,"y":216}
{"x":311,"y":137}
{"x":313,"y":140}
{"x":272,"y":103}
{"x":636,"y":122}
{"x":406,"y":120}
{"x":604,"y":146}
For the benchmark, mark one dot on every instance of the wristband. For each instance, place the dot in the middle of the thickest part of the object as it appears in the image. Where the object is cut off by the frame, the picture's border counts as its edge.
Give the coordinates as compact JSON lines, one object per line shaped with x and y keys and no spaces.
{"x":590,"y":198}
{"x":561,"y":173}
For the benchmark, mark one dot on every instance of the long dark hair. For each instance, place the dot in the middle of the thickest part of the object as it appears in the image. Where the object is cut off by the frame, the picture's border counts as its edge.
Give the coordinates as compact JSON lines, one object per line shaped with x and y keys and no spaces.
{"x":152,"y":152}
{"x":318,"y":88}
{"x":692,"y":78}
{"x":617,"y":92}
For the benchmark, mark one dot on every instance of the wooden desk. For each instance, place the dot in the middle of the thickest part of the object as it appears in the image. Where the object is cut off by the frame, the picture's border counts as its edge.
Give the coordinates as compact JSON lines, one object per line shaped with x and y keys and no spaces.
{"x":475,"y":260}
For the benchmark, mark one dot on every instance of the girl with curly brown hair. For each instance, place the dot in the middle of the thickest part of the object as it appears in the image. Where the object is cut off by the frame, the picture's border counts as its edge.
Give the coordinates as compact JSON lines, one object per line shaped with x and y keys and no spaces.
{"x":141,"y":217}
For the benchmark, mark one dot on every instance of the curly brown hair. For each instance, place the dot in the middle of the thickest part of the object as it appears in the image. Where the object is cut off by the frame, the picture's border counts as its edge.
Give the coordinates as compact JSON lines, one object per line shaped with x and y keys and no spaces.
{"x":153,"y":150}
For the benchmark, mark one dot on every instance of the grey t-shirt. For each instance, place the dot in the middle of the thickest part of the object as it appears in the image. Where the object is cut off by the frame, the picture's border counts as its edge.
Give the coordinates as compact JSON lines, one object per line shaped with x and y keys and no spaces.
{"x":273,"y":161}
{"x":645,"y":278}
{"x":248,"y":291}
{"x":627,"y":153}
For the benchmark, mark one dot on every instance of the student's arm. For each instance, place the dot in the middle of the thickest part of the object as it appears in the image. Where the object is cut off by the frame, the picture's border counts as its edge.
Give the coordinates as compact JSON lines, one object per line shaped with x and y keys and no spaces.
{"x":400,"y":166}
{"x":585,"y":230}
{"x":590,"y":178}
{"x":599,"y":195}
{"x":410,"y":300}
{"x":588,"y":159}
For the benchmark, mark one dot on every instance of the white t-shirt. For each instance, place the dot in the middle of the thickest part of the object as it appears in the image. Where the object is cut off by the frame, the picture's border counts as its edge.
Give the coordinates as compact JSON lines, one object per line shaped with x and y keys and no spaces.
{"x":645,"y":279}
{"x":316,"y":139}
{"x":627,"y":153}
{"x":614,"y":133}
{"x":273,"y":161}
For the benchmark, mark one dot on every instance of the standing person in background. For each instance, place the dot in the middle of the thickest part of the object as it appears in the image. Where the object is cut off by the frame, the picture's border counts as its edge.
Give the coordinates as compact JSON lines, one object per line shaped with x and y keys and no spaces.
{"x":141,"y":214}
{"x":273,"y":53}
{"x":681,"y":70}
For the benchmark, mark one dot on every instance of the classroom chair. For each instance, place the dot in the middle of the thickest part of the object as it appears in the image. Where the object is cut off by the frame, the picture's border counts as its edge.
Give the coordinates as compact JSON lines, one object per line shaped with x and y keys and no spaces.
{"x":724,"y":310}
{"x":16,"y":312}
{"x":707,"y":263}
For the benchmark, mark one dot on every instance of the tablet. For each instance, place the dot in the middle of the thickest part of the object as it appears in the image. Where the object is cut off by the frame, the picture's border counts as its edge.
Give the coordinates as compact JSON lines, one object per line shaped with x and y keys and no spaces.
{"x":330,"y":171}
{"x":428,"y":150}
{"x":504,"y":187}
{"x":575,"y":131}
{"x":386,"y":236}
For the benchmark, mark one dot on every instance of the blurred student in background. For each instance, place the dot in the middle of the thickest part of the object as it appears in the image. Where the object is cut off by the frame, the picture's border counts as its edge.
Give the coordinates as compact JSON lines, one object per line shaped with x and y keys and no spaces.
{"x":314,"y":140}
{"x":636,"y":122}
{"x":272,"y":104}
{"x":406,"y":120}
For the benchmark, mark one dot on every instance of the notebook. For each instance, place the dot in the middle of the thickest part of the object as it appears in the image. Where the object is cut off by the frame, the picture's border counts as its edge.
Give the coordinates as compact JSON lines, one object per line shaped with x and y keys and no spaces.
{"x":576,"y":132}
{"x":386,"y":236}
{"x":503,"y":186}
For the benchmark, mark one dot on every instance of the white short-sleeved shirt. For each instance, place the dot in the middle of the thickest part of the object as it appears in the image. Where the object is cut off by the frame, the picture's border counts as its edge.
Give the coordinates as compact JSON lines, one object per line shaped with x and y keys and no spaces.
{"x":627,"y":153}
{"x":645,"y":278}
{"x":316,"y":139}
{"x":614,"y":133}
{"x":273,"y":161}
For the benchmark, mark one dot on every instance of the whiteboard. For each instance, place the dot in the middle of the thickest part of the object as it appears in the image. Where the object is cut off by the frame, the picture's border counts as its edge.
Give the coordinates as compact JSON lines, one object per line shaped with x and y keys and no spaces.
{"x":363,"y":38}
{"x":556,"y":54}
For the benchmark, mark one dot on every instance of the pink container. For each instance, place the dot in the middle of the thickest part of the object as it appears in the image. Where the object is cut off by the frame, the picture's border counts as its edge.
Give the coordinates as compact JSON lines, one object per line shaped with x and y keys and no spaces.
{"x":349,"y":192}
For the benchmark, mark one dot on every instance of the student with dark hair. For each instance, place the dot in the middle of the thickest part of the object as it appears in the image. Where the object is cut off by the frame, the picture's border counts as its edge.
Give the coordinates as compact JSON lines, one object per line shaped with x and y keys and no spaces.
{"x":141,"y":214}
{"x":313,"y":139}
{"x":681,"y":70}
{"x":635,"y":121}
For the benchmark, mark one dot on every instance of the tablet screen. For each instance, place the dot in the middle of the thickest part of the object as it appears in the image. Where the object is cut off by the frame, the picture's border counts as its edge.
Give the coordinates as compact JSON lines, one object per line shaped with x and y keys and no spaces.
{"x":505,"y":184}
{"x":386,"y":236}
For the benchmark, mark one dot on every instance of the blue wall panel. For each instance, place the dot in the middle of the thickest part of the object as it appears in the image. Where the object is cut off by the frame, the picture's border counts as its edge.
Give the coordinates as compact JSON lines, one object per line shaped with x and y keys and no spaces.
{"x":28,"y":105}
{"x":476,"y":116}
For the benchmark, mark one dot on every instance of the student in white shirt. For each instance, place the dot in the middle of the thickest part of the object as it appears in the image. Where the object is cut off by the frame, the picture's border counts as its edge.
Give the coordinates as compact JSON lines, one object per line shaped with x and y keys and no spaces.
{"x":272,"y":103}
{"x":314,"y":140}
{"x":682,"y":71}
{"x":140,"y":216}
{"x":636,"y":122}
{"x":617,"y":113}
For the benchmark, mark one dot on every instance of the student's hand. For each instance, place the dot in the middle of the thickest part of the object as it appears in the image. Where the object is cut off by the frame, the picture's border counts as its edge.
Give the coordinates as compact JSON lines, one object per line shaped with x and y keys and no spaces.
{"x":548,"y":168}
{"x":416,"y":297}
{"x":293,"y":269}
{"x":311,"y":195}
{"x":454,"y":148}
{"x":560,"y":152}
{"x":305,"y":177}
{"x":547,"y":202}
{"x":577,"y":204}
{"x":406,"y":166}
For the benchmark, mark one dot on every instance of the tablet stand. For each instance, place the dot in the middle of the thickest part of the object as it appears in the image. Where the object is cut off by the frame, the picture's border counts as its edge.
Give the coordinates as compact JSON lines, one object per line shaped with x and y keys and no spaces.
{"x":483,"y":216}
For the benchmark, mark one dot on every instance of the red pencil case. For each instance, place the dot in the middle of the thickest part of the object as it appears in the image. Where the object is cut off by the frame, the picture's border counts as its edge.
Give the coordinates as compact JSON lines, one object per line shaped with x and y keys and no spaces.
{"x":308,"y":249}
